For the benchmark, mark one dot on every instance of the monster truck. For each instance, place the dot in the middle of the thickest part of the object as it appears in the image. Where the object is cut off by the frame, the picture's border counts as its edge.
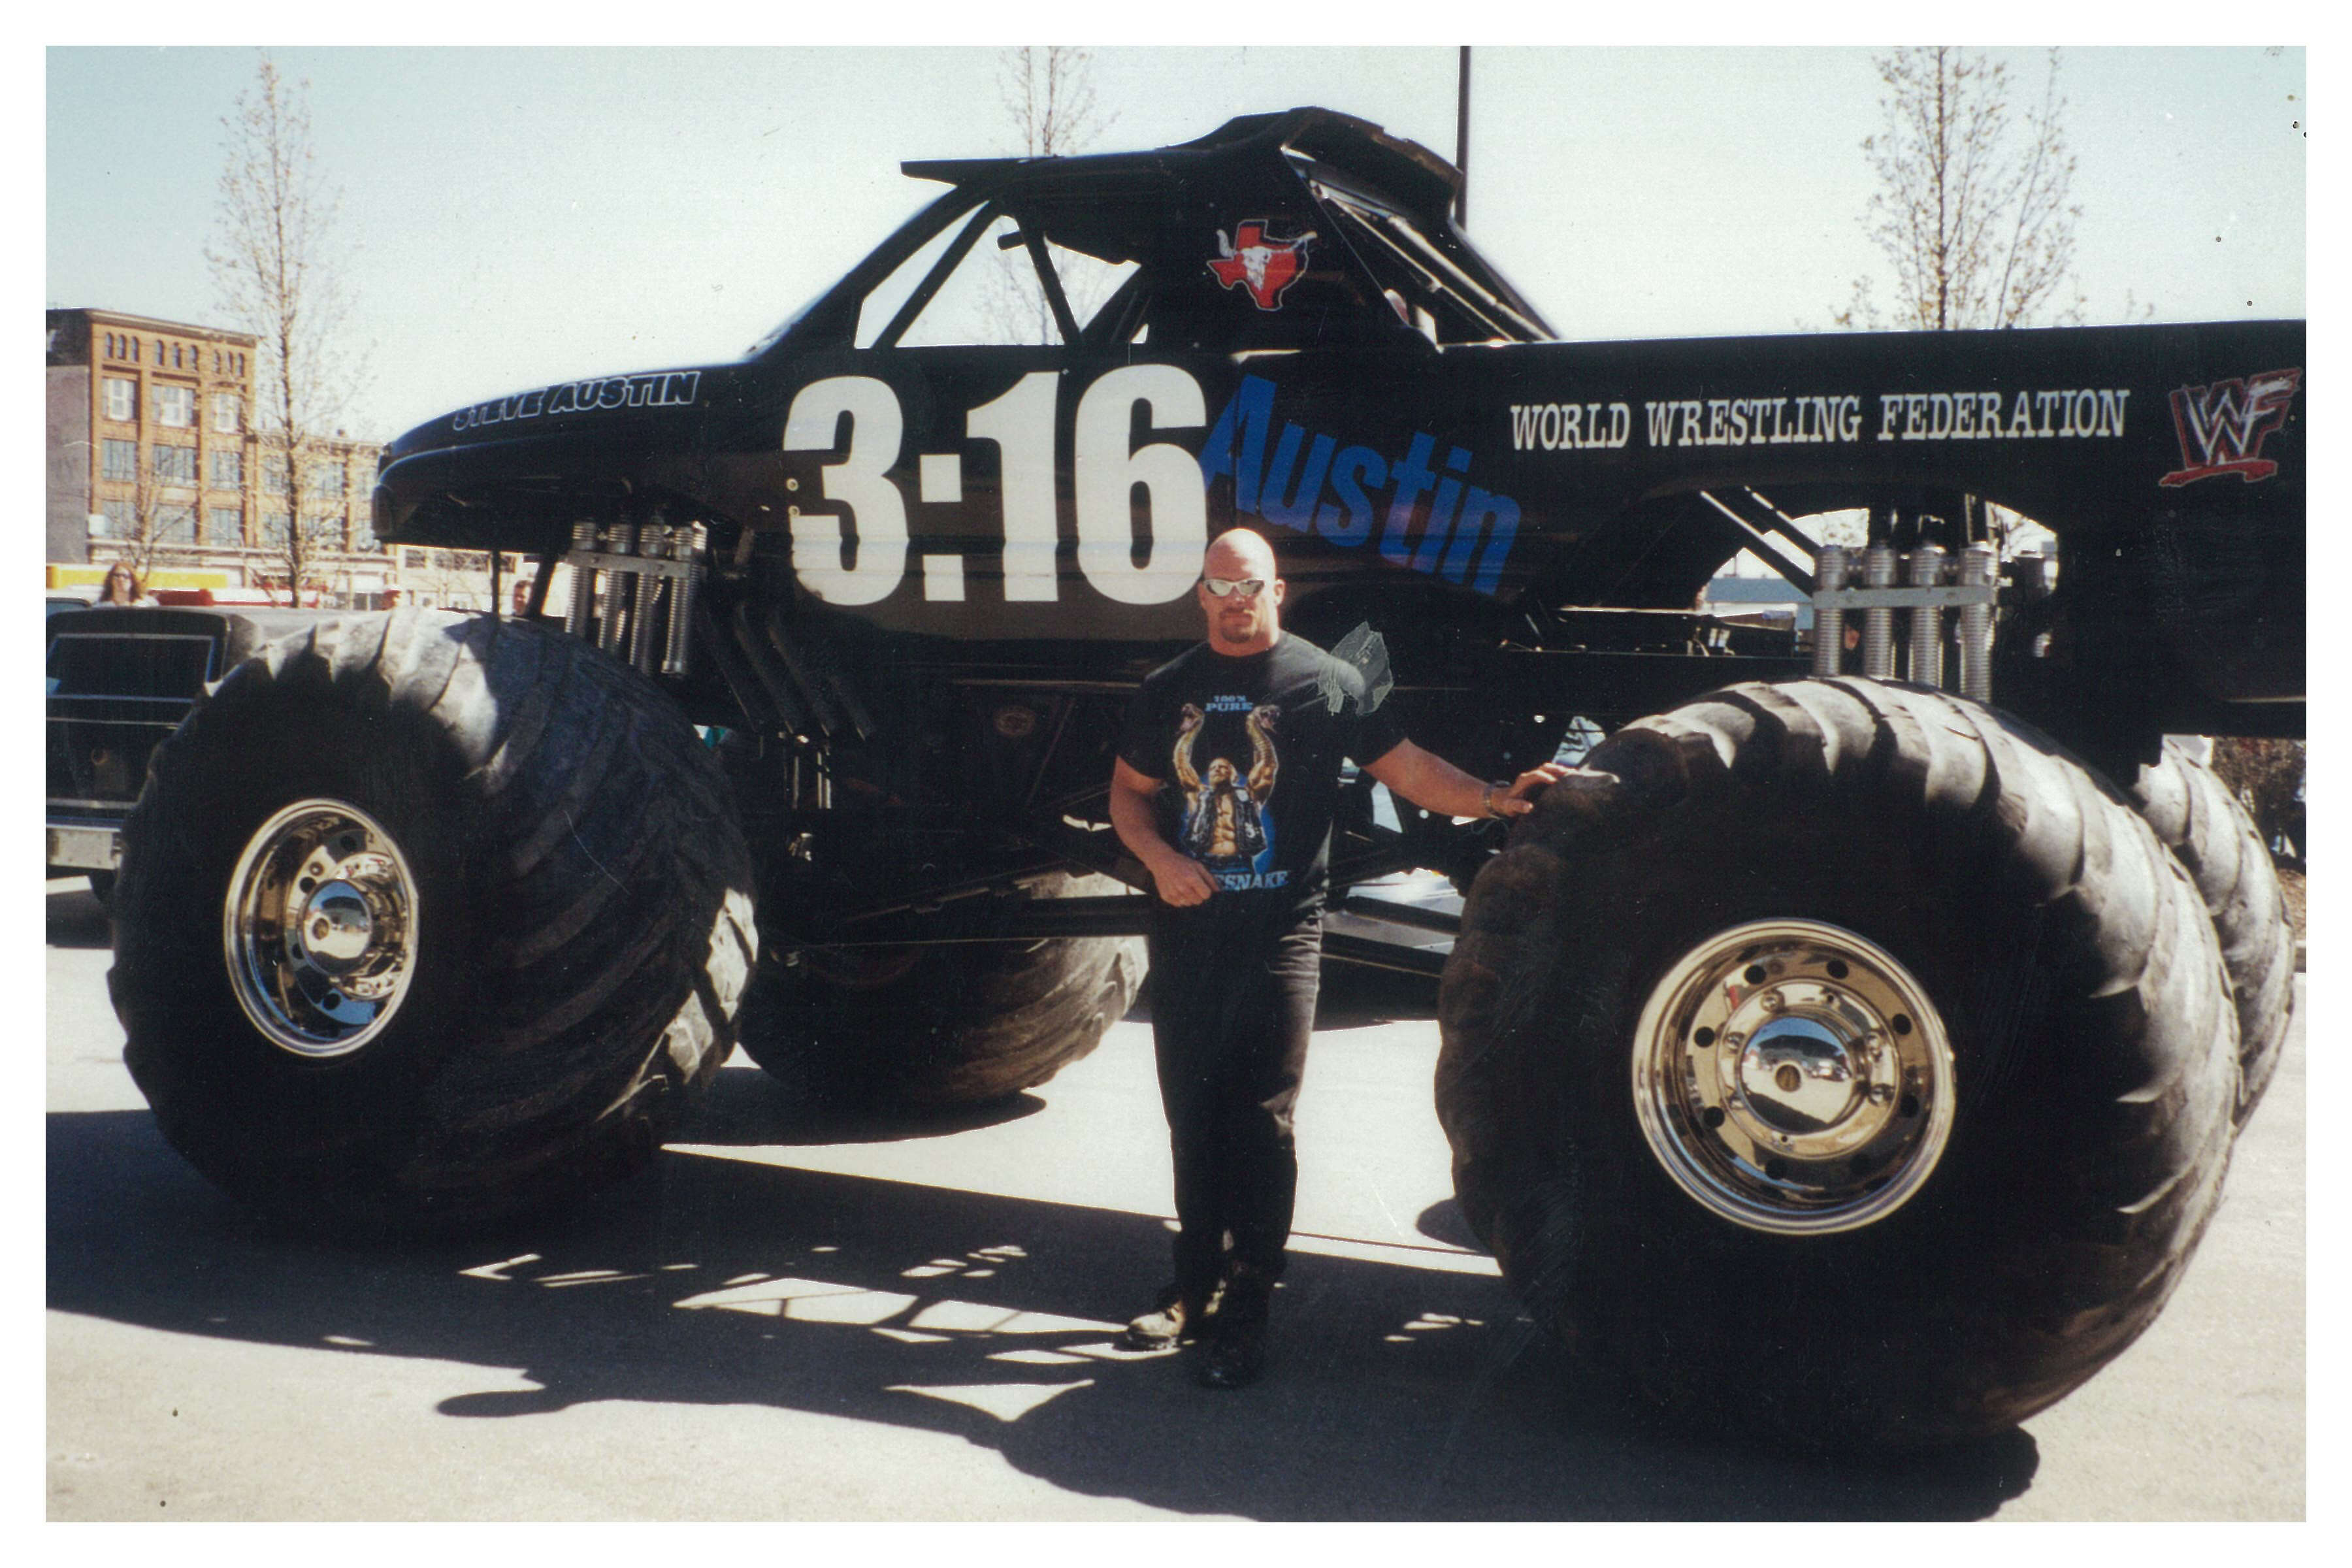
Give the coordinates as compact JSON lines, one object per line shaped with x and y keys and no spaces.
{"x":1832,"y":1051}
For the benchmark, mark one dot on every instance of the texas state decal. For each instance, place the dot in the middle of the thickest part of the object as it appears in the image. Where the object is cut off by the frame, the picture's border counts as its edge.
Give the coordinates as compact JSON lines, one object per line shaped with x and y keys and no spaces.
{"x":2222,"y":426}
{"x":1263,"y":266}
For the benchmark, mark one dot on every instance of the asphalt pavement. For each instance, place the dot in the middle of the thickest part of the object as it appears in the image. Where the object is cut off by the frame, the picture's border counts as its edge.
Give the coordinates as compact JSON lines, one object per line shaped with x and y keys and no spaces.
{"x":917,"y":1320}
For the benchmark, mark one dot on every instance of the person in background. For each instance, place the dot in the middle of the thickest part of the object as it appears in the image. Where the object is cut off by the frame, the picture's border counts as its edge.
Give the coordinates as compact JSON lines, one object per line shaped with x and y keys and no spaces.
{"x":122,"y":587}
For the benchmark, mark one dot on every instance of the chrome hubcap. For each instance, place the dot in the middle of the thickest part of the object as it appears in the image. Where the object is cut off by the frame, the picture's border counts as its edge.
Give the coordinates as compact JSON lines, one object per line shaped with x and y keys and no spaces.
{"x":1793,"y":1078}
{"x":319,"y":928}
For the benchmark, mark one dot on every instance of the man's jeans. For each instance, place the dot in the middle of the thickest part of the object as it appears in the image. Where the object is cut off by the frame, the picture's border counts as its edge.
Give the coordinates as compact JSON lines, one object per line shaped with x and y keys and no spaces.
{"x":1233,"y":1007}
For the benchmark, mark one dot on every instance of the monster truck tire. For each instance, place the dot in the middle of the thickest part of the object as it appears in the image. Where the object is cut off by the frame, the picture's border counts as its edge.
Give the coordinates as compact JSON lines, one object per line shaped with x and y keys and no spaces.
{"x":425,"y":921}
{"x":1671,"y":917}
{"x":940,"y":1025}
{"x":2196,"y":816}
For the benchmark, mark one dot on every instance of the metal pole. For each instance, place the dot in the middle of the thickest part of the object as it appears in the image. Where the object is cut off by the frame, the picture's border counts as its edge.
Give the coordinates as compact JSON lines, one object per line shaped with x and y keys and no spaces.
{"x":1462,"y":141}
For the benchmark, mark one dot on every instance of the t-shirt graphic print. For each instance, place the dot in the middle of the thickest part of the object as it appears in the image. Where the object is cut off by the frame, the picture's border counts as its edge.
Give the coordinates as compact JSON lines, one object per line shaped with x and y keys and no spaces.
{"x":1226,"y":826}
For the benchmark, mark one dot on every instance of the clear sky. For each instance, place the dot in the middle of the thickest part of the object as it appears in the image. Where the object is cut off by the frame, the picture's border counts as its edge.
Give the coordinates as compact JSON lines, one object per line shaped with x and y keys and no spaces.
{"x":522,"y":216}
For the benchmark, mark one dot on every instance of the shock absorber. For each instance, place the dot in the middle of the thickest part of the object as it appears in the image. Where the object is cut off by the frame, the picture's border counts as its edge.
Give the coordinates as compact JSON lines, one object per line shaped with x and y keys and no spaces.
{"x":1829,"y":621}
{"x":1879,"y":564}
{"x":583,"y":582}
{"x":1926,"y":570}
{"x":1978,"y":564}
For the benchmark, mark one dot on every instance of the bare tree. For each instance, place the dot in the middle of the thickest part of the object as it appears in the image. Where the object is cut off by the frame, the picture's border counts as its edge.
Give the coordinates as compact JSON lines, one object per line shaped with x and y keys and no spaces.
{"x":278,"y":265}
{"x":1048,"y":98}
{"x":1973,"y":210}
{"x":452,"y":580}
{"x":162,"y":517}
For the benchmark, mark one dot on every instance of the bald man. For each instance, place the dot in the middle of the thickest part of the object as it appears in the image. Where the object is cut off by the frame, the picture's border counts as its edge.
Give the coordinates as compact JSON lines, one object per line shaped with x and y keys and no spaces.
{"x":1226,"y":780}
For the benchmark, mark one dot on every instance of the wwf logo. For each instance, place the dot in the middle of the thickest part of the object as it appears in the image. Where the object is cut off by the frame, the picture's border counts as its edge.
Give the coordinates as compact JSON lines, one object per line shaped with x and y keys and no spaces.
{"x":2222,"y":426}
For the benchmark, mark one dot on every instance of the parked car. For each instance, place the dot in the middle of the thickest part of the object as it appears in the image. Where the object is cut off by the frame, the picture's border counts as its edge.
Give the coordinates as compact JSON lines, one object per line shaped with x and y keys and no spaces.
{"x":120,"y":677}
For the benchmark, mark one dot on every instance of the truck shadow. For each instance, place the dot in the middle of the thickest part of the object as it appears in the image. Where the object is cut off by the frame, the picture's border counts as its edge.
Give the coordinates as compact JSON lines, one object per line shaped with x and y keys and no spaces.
{"x":1397,"y":1392}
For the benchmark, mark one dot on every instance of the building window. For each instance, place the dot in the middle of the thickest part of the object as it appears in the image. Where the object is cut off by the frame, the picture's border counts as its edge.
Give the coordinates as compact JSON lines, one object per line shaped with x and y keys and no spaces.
{"x":327,"y":481}
{"x":364,"y":529}
{"x":177,"y":464}
{"x":274,"y":530}
{"x":116,"y":520}
{"x":224,"y":525}
{"x":134,"y":351}
{"x":228,"y":470}
{"x":175,"y":405}
{"x":228,"y":414}
{"x":121,"y":398}
{"x":176,"y":522}
{"x":118,"y":459}
{"x":273,"y":475}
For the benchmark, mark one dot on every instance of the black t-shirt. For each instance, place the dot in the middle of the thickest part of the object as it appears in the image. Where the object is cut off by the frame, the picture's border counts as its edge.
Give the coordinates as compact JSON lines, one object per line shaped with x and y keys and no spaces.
{"x":1247,"y":751}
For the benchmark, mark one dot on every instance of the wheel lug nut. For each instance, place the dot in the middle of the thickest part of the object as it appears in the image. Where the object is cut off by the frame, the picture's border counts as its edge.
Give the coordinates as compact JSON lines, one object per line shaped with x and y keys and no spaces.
{"x":1771,"y":1002}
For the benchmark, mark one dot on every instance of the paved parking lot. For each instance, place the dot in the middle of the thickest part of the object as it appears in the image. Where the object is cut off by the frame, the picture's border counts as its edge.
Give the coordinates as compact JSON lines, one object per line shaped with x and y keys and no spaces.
{"x":905,"y":1321}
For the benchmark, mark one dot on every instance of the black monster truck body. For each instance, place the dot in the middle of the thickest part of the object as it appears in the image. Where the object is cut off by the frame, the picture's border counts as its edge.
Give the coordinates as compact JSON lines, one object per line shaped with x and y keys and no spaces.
{"x":909,"y":581}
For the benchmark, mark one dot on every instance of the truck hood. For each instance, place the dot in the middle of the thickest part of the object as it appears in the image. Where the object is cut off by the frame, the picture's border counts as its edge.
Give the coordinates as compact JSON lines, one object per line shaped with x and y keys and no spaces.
{"x":564,"y":405}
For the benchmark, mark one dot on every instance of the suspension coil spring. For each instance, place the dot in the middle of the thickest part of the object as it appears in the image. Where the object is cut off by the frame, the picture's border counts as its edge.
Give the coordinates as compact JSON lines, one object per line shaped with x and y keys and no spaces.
{"x":1926,"y":569}
{"x":1880,"y":564}
{"x":1829,"y":621}
{"x":1978,"y":566}
{"x":648,"y":577}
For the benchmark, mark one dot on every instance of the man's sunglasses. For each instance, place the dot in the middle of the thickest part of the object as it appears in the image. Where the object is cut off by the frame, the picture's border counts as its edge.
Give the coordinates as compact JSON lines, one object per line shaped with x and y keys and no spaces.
{"x":1219,"y":587}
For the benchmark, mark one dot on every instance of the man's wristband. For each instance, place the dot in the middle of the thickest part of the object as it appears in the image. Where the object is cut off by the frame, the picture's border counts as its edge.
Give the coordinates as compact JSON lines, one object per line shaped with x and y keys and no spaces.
{"x":1486,"y":802}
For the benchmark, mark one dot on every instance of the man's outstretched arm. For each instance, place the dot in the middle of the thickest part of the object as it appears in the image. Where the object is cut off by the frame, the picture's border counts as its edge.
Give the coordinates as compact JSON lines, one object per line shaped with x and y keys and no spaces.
{"x":1432,"y":783}
{"x":1181,"y":879}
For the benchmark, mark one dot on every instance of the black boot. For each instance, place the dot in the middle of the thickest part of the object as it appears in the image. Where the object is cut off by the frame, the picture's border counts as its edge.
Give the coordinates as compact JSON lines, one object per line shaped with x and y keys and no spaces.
{"x":1236,"y":1355}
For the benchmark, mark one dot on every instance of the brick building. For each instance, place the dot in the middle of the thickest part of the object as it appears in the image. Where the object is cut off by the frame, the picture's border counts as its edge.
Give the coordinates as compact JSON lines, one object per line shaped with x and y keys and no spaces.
{"x":152,"y":456}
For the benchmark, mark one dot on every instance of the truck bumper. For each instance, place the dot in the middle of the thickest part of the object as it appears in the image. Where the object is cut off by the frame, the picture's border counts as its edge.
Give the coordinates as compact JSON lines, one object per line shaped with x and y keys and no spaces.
{"x":85,"y":845}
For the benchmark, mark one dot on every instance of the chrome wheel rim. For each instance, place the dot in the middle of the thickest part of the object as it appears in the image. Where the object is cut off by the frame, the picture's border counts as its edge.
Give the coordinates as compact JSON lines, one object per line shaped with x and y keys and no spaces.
{"x":1793,"y":1078}
{"x":319,"y":928}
